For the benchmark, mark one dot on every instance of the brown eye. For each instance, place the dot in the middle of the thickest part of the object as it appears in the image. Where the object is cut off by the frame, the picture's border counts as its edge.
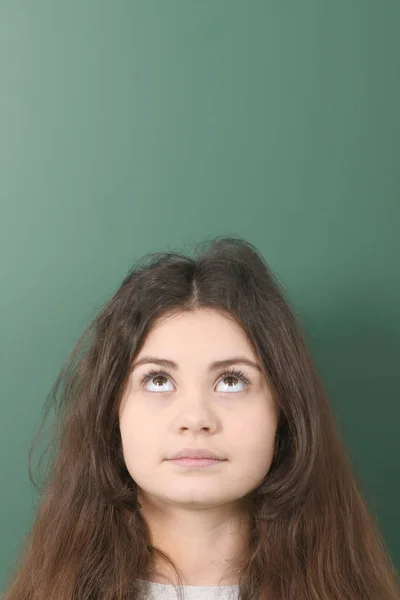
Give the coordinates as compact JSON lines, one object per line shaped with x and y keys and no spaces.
{"x":236,"y":376}
{"x":230,"y":377}
{"x":155,"y":376}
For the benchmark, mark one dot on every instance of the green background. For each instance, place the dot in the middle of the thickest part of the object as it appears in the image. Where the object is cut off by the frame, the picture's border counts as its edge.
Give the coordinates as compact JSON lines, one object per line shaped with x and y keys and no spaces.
{"x":134,"y":126}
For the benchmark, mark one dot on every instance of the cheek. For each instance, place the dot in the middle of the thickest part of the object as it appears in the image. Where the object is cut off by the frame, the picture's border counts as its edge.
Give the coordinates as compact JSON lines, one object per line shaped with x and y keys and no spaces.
{"x":254,"y":437}
{"x":135,"y":438}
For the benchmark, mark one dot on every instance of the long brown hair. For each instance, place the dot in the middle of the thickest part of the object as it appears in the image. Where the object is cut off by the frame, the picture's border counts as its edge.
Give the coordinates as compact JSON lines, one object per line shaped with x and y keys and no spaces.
{"x":313,"y":536}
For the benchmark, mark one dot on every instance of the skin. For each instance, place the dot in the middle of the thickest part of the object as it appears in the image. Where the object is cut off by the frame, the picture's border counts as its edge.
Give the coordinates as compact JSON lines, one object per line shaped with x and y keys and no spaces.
{"x":197,"y":516}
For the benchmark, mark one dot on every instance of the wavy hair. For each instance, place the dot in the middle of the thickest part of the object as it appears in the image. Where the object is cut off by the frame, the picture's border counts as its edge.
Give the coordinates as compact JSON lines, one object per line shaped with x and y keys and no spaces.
{"x":313,"y":535}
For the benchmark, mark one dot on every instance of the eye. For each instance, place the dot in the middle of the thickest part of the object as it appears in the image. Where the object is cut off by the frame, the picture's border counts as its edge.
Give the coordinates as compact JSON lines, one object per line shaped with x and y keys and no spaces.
{"x":154,"y":375}
{"x":226,"y":378}
{"x":233,"y":374}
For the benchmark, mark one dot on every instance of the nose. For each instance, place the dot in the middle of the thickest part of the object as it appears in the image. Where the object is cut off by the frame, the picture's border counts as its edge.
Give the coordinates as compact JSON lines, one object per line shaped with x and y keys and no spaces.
{"x":196,"y":413}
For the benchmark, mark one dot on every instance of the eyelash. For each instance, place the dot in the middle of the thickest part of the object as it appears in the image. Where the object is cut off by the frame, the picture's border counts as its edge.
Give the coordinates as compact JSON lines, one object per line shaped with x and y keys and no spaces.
{"x":228,"y":373}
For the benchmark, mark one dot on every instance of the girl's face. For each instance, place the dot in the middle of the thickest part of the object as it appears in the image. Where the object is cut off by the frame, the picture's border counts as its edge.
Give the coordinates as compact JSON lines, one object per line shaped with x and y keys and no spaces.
{"x":192,"y":404}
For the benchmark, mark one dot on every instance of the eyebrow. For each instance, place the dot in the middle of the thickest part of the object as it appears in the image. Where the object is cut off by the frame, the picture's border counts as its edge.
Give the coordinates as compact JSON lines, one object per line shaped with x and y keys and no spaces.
{"x":218,"y":364}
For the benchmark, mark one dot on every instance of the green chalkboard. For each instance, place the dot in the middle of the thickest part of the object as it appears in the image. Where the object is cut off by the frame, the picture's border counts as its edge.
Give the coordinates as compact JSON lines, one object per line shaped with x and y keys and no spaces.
{"x":130,"y":127}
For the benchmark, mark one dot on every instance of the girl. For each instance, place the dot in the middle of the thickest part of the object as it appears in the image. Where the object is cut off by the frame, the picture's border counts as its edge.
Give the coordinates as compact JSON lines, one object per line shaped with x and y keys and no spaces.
{"x":194,"y":451}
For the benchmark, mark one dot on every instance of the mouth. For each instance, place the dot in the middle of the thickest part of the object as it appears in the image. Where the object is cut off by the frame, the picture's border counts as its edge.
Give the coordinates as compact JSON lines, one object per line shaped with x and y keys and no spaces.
{"x":196,"y":453}
{"x":196,"y":462}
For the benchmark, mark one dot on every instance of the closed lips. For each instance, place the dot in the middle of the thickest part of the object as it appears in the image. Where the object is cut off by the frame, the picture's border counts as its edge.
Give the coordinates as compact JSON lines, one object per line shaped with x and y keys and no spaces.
{"x":199,"y":453}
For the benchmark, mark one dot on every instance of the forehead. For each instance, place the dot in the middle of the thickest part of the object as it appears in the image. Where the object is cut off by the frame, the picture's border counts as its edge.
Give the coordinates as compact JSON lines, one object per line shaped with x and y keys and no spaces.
{"x":203,"y":331}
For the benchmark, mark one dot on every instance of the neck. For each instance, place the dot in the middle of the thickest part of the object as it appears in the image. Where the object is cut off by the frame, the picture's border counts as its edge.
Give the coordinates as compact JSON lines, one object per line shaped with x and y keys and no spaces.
{"x":205,"y":545}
